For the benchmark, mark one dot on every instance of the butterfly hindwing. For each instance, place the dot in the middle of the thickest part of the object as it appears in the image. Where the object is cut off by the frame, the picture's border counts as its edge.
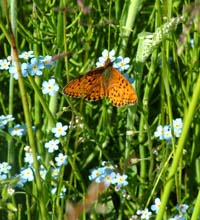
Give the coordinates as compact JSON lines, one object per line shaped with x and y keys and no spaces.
{"x":120,"y":91}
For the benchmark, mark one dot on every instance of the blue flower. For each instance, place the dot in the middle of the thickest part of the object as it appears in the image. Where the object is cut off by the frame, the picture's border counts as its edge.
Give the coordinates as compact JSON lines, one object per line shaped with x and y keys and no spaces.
{"x":182,"y":208}
{"x":55,"y":172}
{"x":155,"y":207}
{"x":24,"y":68}
{"x":120,"y":180}
{"x":3,"y":176}
{"x":121,"y":63}
{"x":2,"y":125}
{"x":109,"y":179}
{"x":159,"y":132}
{"x":35,"y":67}
{"x":101,"y":173}
{"x":17,"y":130}
{"x":97,"y":175}
{"x":106,"y":55}
{"x":52,"y":145}
{"x":62,"y":193}
{"x":50,"y":87}
{"x":4,"y":64}
{"x":26,"y":55}
{"x":4,"y":119}
{"x":177,"y":126}
{"x":8,"y":118}
{"x":108,"y":176}
{"x":27,"y":174}
{"x":47,"y":60}
{"x":61,"y":159}
{"x":146,"y":214}
{"x":134,"y":217}
{"x":13,"y":70}
{"x":59,"y":130}
{"x":163,"y":133}
{"x":4,"y":168}
{"x":43,"y":173}
{"x":178,"y":217}
{"x":28,"y":158}
{"x":167,"y":133}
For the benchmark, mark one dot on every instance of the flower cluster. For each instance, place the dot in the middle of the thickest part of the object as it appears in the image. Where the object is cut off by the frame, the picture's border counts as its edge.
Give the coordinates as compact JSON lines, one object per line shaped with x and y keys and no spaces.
{"x":146,"y":214}
{"x":58,"y":131}
{"x":165,"y":132}
{"x":4,"y":119}
{"x":53,"y":144}
{"x":4,"y":170}
{"x":27,"y":173}
{"x":17,"y":130}
{"x":119,"y":63}
{"x":33,"y":66}
{"x":108,"y":176}
{"x":182,"y":209}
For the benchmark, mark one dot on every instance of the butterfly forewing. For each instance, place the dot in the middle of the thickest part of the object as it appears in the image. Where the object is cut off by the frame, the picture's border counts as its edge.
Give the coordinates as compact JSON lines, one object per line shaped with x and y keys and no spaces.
{"x":90,"y":86}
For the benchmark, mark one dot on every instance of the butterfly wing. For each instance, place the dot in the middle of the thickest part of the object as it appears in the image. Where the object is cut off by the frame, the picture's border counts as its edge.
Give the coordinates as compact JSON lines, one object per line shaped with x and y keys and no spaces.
{"x":120,"y":91}
{"x":90,"y":86}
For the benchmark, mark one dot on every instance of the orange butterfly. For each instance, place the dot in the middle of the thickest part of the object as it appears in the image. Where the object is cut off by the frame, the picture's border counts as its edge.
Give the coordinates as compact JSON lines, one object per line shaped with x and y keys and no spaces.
{"x":105,"y":81}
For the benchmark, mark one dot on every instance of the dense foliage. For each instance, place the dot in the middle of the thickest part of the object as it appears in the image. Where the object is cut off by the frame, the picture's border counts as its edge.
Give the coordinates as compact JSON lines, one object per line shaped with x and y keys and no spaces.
{"x":68,"y":158}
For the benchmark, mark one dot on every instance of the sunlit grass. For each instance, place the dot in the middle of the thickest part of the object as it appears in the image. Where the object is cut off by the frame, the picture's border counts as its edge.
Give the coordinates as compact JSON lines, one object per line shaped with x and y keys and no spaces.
{"x":68,"y":158}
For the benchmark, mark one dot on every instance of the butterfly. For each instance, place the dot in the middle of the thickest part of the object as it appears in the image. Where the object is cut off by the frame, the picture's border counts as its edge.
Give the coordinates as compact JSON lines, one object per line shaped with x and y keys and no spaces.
{"x":105,"y":81}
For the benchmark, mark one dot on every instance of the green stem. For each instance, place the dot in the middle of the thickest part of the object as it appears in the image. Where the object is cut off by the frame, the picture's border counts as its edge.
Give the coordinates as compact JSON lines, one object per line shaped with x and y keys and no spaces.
{"x":60,"y":36}
{"x":126,"y":28}
{"x":13,"y":17}
{"x":144,"y":134}
{"x":42,"y":101}
{"x":195,"y":214}
{"x":12,"y":40}
{"x":61,"y":41}
{"x":30,"y":132}
{"x":186,"y":125}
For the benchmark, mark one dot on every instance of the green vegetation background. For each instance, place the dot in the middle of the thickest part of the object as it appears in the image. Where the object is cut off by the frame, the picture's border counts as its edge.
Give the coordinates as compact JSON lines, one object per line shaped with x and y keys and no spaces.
{"x":165,"y":84}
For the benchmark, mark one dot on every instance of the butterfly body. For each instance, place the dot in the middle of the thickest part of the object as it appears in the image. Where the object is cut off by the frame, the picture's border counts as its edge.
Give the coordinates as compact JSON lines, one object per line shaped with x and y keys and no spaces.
{"x":103,"y":82}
